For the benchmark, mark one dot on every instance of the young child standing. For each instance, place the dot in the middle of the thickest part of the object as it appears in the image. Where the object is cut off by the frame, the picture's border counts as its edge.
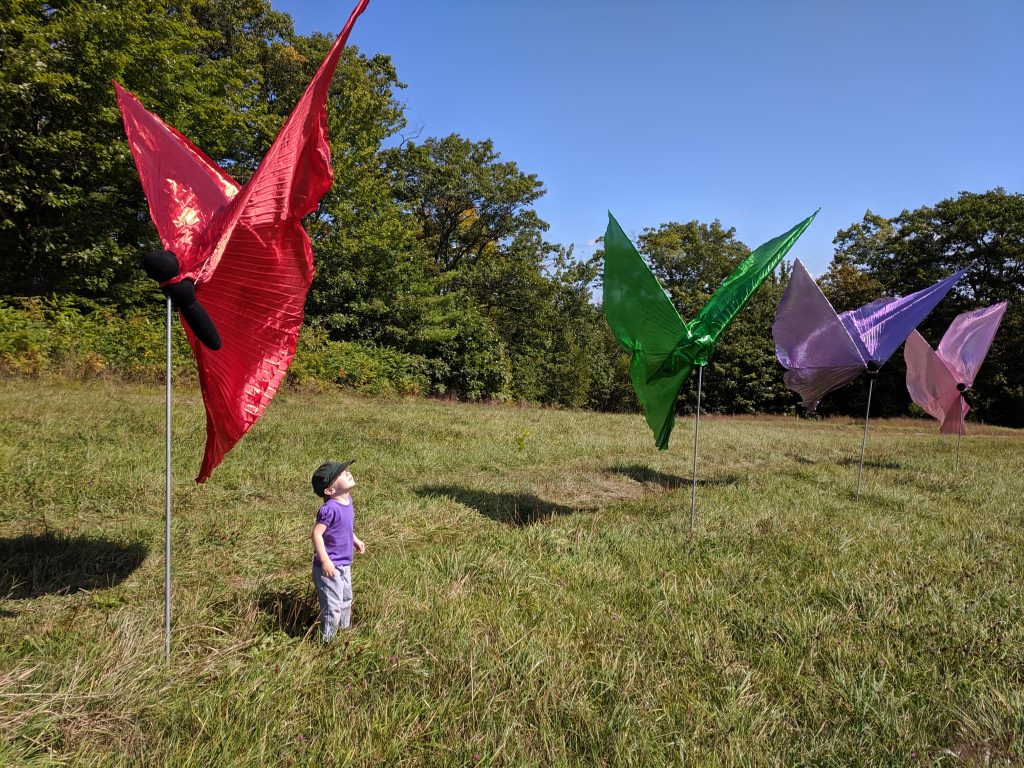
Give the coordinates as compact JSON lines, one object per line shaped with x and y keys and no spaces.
{"x":334,"y":541}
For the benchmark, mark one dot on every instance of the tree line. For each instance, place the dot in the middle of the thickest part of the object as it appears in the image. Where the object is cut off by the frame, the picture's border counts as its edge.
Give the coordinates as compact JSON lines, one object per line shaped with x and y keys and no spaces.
{"x":426,"y":247}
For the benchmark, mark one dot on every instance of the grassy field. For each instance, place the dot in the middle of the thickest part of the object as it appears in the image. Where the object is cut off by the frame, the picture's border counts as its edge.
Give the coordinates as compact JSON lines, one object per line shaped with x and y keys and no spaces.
{"x":531,"y":593}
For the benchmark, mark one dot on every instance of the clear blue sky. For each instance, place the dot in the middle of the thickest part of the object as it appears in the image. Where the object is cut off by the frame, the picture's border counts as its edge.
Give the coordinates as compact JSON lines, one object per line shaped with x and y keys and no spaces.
{"x":754,"y":113}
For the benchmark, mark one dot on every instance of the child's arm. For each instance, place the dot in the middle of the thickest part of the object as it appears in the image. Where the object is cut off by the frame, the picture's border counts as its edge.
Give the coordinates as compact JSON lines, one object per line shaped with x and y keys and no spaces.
{"x":358,"y":544}
{"x":321,"y":551}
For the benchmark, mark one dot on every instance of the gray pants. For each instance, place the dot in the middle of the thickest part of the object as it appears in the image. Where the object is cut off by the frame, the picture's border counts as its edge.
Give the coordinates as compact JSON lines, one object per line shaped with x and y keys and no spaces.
{"x":335,"y":599}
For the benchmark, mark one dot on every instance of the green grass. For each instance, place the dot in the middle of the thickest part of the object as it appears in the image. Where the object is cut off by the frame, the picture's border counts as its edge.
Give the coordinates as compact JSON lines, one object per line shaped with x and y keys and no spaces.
{"x":531,"y":593}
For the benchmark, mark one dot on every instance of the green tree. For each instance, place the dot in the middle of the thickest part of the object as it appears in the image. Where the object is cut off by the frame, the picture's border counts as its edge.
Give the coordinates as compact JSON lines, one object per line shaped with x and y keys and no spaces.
{"x":369,"y":283}
{"x":847,"y":287}
{"x":691,"y":260}
{"x":560,"y":328}
{"x":743,"y":374}
{"x":72,"y":215}
{"x":464,"y":199}
{"x":480,"y":244}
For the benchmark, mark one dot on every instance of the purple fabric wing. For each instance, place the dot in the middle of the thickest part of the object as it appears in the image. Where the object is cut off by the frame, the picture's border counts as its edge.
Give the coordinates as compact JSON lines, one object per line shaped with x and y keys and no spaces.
{"x":932,"y":384}
{"x":965,"y":344}
{"x":881,"y":326}
{"x":811,"y":342}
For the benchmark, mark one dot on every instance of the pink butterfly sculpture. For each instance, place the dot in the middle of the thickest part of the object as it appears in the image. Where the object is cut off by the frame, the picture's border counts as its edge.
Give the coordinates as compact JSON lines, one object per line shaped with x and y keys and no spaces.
{"x":937,"y":379}
{"x":243,"y":248}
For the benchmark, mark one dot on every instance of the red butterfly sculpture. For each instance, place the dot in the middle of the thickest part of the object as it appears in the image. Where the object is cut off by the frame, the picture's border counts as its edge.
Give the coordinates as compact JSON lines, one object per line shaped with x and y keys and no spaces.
{"x":243,"y":247}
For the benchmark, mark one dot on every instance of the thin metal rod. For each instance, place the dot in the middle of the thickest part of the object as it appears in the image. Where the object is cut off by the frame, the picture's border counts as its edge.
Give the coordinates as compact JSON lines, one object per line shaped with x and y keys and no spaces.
{"x":864,"y":442}
{"x":696,"y":435}
{"x":167,"y":494}
{"x":959,"y":434}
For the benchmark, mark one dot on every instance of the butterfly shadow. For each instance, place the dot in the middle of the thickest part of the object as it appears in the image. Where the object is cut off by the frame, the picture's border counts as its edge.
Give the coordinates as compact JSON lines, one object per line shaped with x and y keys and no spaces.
{"x":514,"y":509}
{"x":648,"y":476}
{"x":52,"y":564}
{"x":802,"y":459}
{"x":850,"y":461}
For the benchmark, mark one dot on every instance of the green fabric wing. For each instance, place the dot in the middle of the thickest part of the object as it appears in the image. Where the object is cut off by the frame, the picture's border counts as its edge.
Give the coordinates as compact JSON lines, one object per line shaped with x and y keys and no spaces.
{"x":733,"y":294}
{"x":646,"y":323}
{"x":644,"y":320}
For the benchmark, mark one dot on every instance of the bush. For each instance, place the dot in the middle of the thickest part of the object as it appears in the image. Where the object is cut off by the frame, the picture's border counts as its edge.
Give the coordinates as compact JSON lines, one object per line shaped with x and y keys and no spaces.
{"x":78,"y":340}
{"x":72,"y":339}
{"x":468,"y":357}
{"x":363,"y":367}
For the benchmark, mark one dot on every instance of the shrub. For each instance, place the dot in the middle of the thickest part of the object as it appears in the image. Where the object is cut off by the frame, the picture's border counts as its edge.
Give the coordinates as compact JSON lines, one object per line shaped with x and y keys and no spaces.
{"x":363,"y":367}
{"x":75,"y":340}
{"x":67,"y":338}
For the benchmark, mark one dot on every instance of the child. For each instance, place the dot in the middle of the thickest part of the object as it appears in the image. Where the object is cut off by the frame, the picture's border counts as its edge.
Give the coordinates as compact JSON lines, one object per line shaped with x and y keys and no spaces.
{"x":334,"y":540}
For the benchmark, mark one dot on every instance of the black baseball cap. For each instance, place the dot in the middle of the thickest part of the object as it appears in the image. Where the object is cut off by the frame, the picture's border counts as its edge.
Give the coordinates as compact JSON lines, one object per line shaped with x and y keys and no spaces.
{"x":326,"y":474}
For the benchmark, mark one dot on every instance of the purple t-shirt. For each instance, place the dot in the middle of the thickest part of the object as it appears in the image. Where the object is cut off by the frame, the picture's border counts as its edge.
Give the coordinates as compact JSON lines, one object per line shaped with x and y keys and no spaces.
{"x":339,"y":519}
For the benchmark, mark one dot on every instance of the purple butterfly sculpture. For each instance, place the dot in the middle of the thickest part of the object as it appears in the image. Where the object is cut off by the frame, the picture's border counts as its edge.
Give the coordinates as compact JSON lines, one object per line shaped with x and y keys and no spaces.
{"x":937,"y":379}
{"x":822,"y":350}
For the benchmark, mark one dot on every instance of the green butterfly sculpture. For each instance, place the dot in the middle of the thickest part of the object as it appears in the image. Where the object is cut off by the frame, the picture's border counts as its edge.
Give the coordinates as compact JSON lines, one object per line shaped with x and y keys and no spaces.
{"x":664,"y":348}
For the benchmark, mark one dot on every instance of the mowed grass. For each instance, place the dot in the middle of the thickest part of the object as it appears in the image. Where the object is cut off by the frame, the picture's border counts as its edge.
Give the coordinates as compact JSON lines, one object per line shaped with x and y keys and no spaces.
{"x":531,"y":593}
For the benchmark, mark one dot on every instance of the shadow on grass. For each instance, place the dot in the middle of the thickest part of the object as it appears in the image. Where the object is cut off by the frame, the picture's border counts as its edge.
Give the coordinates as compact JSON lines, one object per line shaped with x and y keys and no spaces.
{"x":295,"y":611}
{"x":802,"y":459}
{"x":31,"y":566}
{"x":516,"y":509}
{"x":853,"y":461}
{"x":648,"y":476}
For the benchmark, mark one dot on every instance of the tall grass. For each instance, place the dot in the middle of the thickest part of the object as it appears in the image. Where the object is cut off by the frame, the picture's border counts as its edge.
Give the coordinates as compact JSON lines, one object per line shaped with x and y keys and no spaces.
{"x":531,"y":593}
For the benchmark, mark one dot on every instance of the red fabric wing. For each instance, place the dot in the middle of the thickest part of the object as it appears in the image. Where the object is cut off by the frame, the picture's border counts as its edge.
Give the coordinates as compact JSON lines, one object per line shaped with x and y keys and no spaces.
{"x":255,"y":298}
{"x":253,"y":261}
{"x":255,"y":282}
{"x":296,"y":171}
{"x":184,"y":187}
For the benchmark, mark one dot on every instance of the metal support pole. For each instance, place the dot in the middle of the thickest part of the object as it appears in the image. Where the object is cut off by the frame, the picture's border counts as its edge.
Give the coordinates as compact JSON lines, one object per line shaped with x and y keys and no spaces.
{"x":864,"y":442}
{"x":167,"y":494}
{"x":959,"y":434}
{"x":696,"y":435}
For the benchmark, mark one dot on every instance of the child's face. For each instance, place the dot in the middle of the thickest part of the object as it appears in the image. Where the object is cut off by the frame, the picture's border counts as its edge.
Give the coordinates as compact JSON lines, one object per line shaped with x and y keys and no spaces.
{"x":343,"y":483}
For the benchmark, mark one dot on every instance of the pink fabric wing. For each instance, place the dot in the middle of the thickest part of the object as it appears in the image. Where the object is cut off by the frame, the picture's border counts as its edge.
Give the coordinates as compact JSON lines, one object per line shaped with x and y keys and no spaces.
{"x":811,"y":342}
{"x":932,"y":385}
{"x":933,"y":376}
{"x":249,"y":256}
{"x":966,"y":342}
